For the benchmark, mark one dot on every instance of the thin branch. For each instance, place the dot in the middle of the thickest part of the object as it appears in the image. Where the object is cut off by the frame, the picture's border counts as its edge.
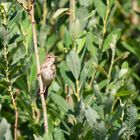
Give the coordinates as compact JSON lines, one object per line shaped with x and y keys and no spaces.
{"x":27,"y":9}
{"x":30,"y":10}
{"x":16,"y":112}
{"x":9,"y":89}
{"x":72,"y":14}
{"x":44,"y":12}
{"x":38,"y":69}
{"x":106,"y":18}
{"x":113,"y":48}
{"x":77,"y":90}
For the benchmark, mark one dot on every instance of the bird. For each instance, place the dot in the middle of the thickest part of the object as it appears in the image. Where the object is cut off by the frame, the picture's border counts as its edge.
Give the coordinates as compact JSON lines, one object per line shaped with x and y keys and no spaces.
{"x":47,"y":72}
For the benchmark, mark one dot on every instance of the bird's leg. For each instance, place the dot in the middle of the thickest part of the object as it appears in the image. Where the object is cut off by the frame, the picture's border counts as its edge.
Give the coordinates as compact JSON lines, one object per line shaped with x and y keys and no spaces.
{"x":38,"y":74}
{"x":42,"y":92}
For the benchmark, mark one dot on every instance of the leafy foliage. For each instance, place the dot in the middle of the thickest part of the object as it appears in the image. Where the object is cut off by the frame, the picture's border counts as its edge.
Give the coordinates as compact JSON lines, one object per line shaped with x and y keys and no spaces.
{"x":95,"y":95}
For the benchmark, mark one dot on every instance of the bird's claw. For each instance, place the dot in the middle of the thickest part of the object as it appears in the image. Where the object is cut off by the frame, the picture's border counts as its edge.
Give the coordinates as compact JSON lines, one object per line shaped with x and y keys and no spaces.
{"x":38,"y":74}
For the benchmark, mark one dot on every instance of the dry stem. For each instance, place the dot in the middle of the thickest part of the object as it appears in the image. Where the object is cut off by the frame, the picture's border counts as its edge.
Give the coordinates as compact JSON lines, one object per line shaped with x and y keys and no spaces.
{"x":38,"y":70}
{"x":30,"y":10}
{"x":16,"y":113}
{"x":72,"y":14}
{"x":10,"y":87}
{"x":44,"y":12}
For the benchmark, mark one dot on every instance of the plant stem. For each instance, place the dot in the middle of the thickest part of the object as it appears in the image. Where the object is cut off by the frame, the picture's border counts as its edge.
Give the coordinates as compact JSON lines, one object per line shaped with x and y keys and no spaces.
{"x":106,"y":18}
{"x":92,"y":79}
{"x":38,"y":70}
{"x":16,"y":111}
{"x":72,"y":14}
{"x":9,"y":89}
{"x":44,"y":12}
{"x":113,"y":48}
{"x":77,"y":90}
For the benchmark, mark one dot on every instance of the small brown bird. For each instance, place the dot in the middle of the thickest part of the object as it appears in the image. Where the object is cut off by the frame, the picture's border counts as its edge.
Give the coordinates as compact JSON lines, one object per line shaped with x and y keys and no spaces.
{"x":47,"y":72}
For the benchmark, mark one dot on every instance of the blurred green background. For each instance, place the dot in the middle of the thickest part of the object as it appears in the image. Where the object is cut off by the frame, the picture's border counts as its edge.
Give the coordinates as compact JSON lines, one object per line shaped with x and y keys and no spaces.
{"x":95,"y":95}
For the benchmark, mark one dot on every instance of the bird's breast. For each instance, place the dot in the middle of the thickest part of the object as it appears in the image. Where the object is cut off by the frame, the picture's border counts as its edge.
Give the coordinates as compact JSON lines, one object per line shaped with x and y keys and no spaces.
{"x":47,"y":75}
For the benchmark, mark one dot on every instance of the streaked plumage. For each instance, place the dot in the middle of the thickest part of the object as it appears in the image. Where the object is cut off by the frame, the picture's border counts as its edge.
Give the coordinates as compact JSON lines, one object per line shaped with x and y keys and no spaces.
{"x":47,"y":72}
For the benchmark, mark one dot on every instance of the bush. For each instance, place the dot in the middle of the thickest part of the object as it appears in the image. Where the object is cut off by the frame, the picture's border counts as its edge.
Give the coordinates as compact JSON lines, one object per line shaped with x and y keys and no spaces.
{"x":95,"y":95}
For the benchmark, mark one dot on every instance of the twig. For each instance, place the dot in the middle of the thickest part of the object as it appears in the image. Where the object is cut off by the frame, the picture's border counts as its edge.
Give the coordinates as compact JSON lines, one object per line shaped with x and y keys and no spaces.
{"x":38,"y":70}
{"x":113,"y":48}
{"x":106,"y":17}
{"x":77,"y":90}
{"x":72,"y":14}
{"x":26,"y":8}
{"x":9,"y":89}
{"x":16,"y":112}
{"x":30,"y":10}
{"x":44,"y":12}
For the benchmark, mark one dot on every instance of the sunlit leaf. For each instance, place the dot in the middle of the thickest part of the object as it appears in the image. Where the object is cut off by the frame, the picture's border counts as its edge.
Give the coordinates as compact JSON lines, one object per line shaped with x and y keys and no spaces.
{"x":67,"y":39}
{"x":59,"y":12}
{"x":5,"y":132}
{"x":58,"y":134}
{"x":60,"y":102}
{"x":131,"y":118}
{"x":64,"y":73}
{"x":125,"y":93}
{"x":80,"y":42}
{"x":132,"y":49}
{"x":91,"y":116}
{"x":74,"y":63}
{"x":101,"y":8}
{"x":109,"y":39}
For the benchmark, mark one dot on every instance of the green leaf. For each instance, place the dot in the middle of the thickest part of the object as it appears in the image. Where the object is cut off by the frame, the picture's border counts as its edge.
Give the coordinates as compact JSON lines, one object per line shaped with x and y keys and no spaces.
{"x":97,"y":92}
{"x":109,"y":38}
{"x":51,"y":41}
{"x":123,"y":93}
{"x":130,"y":120}
{"x":117,"y":134}
{"x":91,"y":116}
{"x":67,"y":39}
{"x":100,"y":68}
{"x":4,"y":83}
{"x":60,"y":102}
{"x":102,"y":84}
{"x":80,"y":42}
{"x":15,"y":78}
{"x":37,"y":137}
{"x":5,"y":132}
{"x":22,"y":84}
{"x":80,"y":110}
{"x":108,"y":102}
{"x":74,"y":64}
{"x":101,"y":8}
{"x":133,"y":49}
{"x":64,"y":70}
{"x":117,"y":114}
{"x":3,"y":35}
{"x":124,"y":69}
{"x":82,"y":14}
{"x":99,"y":131}
{"x":75,"y":28}
{"x":76,"y":131}
{"x":48,"y":136}
{"x":14,"y":19}
{"x":83,"y":75}
{"x":58,"y":134}
{"x":15,"y":69}
{"x":59,"y":12}
{"x":85,"y":3}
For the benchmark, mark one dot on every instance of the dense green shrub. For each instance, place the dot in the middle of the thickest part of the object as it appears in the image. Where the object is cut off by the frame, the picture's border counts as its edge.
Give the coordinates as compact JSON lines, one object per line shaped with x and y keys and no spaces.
{"x":95,"y":94}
